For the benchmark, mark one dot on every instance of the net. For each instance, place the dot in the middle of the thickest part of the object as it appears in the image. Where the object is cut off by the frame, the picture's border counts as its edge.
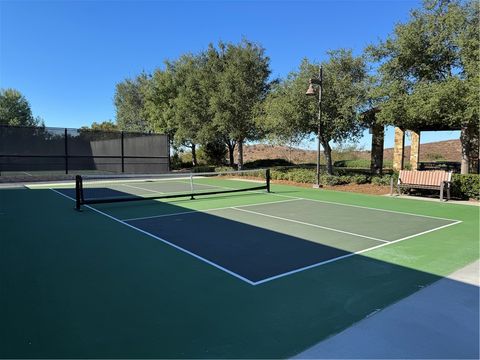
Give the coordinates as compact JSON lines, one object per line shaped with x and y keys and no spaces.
{"x":98,"y":189}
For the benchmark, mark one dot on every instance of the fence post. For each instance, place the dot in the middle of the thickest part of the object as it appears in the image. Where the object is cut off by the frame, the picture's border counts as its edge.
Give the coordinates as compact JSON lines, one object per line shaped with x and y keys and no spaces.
{"x":267,"y":175}
{"x":66,"y":152}
{"x":123,"y":155}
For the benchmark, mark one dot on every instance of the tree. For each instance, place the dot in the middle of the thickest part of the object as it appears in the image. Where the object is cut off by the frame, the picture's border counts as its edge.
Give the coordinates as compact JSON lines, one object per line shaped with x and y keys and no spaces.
{"x":191,"y":109}
{"x":159,"y":96}
{"x":239,"y":86}
{"x":214,"y":152}
{"x":428,"y":71}
{"x":291,"y":116}
{"x":129,"y":104}
{"x":107,"y":125}
{"x":15,"y":109}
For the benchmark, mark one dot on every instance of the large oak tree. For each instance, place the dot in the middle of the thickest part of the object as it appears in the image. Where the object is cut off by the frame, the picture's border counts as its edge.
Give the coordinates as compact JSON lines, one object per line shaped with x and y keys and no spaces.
{"x":428,"y":72}
{"x":292,"y":116}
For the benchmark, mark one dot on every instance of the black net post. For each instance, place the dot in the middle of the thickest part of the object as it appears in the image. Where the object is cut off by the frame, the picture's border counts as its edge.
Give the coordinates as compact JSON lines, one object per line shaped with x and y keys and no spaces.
{"x":123,"y":151}
{"x":66,"y":151}
{"x":267,"y":175}
{"x":78,"y":192}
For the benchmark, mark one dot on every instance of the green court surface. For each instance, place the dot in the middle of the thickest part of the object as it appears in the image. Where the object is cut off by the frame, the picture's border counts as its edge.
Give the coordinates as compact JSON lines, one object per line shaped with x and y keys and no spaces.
{"x":244,"y":275}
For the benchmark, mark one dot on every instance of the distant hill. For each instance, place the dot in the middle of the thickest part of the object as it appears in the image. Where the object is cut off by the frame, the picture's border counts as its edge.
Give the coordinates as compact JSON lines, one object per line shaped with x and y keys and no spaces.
{"x":450,"y":150}
{"x":441,"y":150}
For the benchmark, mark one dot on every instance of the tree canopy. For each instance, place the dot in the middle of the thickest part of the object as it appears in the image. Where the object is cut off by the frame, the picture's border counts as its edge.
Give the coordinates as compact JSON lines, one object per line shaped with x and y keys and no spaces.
{"x":241,"y":84}
{"x":291,"y":116}
{"x":107,"y":125}
{"x":129,"y":104}
{"x":428,"y":68}
{"x":15,"y":109}
{"x":205,"y":98}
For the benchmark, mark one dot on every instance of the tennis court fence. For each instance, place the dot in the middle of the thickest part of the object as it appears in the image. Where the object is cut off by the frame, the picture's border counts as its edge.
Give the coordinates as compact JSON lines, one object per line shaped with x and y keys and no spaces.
{"x":62,"y":150}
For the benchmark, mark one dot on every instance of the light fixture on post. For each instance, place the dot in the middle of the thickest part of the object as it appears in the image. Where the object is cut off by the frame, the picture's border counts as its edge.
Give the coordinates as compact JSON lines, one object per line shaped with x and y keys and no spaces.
{"x":311,"y":92}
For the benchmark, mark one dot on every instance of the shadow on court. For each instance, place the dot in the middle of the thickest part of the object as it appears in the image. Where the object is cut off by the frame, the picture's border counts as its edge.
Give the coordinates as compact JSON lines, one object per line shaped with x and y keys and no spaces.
{"x":78,"y":285}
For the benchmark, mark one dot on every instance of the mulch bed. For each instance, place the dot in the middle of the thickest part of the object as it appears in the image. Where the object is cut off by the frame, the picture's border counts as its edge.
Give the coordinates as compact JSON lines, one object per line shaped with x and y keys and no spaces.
{"x":358,"y":188}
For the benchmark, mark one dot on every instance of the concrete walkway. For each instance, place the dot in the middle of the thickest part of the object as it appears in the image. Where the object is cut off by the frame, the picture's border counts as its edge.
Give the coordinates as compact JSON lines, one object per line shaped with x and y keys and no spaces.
{"x":437,"y":200}
{"x":438,"y":322}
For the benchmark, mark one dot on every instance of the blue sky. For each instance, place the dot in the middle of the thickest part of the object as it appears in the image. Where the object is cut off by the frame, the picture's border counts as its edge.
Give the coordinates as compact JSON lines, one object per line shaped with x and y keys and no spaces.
{"x":67,"y":56}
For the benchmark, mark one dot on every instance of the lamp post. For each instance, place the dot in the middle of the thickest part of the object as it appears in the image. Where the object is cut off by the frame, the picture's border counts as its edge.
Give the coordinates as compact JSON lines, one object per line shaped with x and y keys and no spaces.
{"x":311,"y":92}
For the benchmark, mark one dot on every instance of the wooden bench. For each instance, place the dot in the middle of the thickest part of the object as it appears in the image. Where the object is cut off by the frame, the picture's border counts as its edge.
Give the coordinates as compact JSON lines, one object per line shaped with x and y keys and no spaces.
{"x":435,"y":180}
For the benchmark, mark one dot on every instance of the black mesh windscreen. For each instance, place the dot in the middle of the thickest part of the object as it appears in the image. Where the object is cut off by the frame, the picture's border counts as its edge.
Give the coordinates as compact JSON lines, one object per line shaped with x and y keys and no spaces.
{"x":32,"y":150}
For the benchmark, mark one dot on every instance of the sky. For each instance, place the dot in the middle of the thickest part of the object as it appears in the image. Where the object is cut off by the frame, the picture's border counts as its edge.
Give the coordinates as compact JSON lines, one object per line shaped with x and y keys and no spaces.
{"x":66,"y":57}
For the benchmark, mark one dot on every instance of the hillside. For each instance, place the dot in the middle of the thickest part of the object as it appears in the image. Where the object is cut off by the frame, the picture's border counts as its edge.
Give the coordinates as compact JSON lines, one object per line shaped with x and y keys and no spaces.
{"x":442,"y":150}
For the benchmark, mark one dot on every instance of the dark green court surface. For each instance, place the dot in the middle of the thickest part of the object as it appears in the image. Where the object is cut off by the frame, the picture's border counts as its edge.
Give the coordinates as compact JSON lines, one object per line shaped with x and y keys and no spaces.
{"x":247,"y":275}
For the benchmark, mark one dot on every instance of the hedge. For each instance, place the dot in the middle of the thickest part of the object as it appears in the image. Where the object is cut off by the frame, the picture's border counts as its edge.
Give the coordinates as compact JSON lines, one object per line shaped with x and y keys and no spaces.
{"x":463,"y":186}
{"x":466,"y":186}
{"x":359,"y":163}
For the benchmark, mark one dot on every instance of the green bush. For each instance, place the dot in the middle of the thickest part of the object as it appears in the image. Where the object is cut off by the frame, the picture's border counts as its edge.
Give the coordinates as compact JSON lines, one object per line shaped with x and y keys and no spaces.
{"x":381,"y":180}
{"x":224,"y":168}
{"x":359,"y":163}
{"x":177,"y":163}
{"x":359,"y":179}
{"x":333,"y":180}
{"x":296,"y":175}
{"x":213,"y":153}
{"x":263,"y":163}
{"x":466,"y":186}
{"x":203,"y":168}
{"x":309,"y":176}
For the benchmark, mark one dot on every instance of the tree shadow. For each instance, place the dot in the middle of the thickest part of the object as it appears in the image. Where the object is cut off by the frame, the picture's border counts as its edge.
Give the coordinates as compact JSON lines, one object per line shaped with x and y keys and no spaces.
{"x":82,"y":285}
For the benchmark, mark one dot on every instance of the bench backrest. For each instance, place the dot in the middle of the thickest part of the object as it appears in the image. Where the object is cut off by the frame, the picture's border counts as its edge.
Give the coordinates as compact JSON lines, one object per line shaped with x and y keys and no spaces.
{"x":429,"y":178}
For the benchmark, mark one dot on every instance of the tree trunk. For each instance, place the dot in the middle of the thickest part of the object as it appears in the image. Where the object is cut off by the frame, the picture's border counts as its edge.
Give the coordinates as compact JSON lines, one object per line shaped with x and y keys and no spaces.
{"x":328,"y":156}
{"x":466,"y":143}
{"x":231,"y":152}
{"x":240,"y":154}
{"x":376,"y":157}
{"x":194,"y":155}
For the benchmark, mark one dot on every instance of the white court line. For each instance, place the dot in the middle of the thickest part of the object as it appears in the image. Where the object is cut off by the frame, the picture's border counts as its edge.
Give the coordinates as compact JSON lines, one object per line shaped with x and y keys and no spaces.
{"x":310,"y":224}
{"x":363,"y":207}
{"x":206,"y":210}
{"x":141,"y":188}
{"x":164,"y":241}
{"x":351,"y":254}
{"x":272,"y":277}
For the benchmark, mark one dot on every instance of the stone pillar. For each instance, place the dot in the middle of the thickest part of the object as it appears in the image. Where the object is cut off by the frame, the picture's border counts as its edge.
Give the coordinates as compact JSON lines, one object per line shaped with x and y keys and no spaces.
{"x":414,"y":149}
{"x":376,"y":160}
{"x":398,"y":149}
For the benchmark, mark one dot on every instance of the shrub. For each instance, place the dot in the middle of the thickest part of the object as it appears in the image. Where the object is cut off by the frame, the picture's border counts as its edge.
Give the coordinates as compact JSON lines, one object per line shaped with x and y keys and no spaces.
{"x":466,"y":186}
{"x":296,"y":175}
{"x":177,"y":163}
{"x":262,"y":163}
{"x":359,"y":163}
{"x":381,"y":180}
{"x":213,"y":153}
{"x":203,"y":168}
{"x":359,"y":179}
{"x":333,"y":180}
{"x":224,"y":168}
